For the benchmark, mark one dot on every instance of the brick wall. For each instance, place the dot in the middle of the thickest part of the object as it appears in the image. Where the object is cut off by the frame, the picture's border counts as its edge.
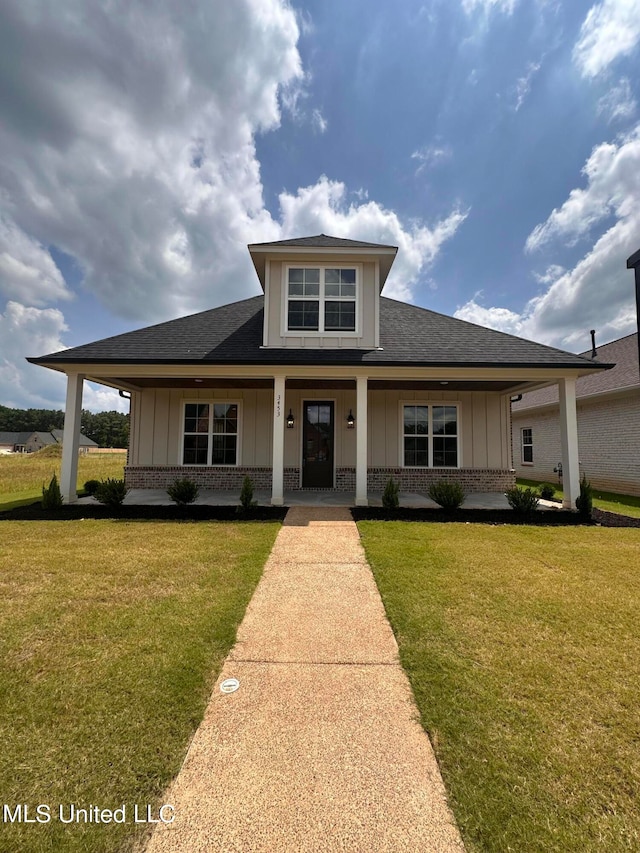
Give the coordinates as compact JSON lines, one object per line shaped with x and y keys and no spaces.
{"x":410,"y":479}
{"x":608,"y":444}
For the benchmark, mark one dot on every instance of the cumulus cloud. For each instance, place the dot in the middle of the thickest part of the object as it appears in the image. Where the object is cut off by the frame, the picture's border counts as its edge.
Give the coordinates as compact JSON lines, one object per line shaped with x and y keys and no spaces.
{"x":610,"y":30}
{"x":324,"y":208}
{"x":598,"y":291}
{"x":128,"y":144}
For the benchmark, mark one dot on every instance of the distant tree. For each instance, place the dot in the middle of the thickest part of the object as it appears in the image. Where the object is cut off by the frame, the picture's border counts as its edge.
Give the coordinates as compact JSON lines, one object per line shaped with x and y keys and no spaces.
{"x":107,"y":429}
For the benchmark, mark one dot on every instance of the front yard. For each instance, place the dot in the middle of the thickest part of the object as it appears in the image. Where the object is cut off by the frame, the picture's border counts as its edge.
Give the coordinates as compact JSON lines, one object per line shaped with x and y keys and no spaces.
{"x":523,"y":649}
{"x":111,"y":637}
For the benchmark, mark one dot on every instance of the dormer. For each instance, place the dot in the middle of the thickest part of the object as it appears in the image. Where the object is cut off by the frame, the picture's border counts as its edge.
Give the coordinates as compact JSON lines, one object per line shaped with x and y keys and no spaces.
{"x":322,"y":292}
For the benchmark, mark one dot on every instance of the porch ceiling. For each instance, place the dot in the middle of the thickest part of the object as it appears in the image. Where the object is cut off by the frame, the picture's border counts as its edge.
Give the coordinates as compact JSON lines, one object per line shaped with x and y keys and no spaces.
{"x":497,"y":386}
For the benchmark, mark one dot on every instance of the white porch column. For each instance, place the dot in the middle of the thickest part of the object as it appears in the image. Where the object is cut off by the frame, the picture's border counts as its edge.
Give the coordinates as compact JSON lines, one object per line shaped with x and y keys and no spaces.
{"x":71,"y":438}
{"x":277,"y":465}
{"x":361,"y":441}
{"x":569,"y":442}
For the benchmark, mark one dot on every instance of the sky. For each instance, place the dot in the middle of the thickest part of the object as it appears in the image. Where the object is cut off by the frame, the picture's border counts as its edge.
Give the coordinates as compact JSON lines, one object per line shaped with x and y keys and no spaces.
{"x":143,"y":145}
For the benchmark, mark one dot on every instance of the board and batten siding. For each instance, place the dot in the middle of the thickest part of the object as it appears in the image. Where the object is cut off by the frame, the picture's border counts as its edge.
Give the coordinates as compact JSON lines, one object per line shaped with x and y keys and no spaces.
{"x":608,"y":443}
{"x":157,"y":424}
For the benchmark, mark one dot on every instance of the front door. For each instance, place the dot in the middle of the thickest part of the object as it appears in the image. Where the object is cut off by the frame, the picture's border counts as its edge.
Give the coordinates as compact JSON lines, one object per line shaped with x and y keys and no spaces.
{"x":317,"y":445}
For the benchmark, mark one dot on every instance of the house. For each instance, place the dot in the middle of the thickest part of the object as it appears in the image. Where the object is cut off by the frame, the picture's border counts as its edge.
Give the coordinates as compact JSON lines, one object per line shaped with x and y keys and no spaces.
{"x":608,"y":404}
{"x":31,"y":442}
{"x":320,"y":383}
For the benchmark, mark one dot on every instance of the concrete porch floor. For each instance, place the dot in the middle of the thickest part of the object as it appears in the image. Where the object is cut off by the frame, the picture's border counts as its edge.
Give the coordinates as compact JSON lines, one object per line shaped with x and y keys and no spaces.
{"x":211,"y":497}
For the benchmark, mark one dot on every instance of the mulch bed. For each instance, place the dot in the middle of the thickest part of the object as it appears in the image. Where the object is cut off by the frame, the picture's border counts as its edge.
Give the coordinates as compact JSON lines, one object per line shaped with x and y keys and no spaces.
{"x":75,"y":512}
{"x":550,"y":518}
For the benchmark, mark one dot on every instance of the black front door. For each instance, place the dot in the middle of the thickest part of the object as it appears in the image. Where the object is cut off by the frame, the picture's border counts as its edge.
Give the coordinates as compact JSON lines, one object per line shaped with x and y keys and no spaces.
{"x":317,"y":445}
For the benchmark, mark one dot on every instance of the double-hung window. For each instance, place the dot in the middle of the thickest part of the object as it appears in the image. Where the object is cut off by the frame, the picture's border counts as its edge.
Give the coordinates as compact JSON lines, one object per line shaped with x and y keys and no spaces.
{"x":210,"y":434}
{"x":321,"y":299}
{"x":527,"y":445}
{"x":429,"y":436}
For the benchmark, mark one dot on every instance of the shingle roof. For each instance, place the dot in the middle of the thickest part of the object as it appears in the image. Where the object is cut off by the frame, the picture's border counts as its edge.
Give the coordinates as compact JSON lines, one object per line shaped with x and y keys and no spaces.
{"x":14,"y":437}
{"x":232,"y":334}
{"x":322,"y":241}
{"x":623,"y":353}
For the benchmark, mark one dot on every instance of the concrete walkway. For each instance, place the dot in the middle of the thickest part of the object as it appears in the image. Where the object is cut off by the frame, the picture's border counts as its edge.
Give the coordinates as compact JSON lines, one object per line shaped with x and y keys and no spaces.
{"x":320,"y":748}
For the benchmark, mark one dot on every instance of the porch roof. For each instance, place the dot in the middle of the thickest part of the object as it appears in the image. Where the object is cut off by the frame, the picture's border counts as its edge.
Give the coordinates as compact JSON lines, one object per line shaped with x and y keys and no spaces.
{"x":232,"y":335}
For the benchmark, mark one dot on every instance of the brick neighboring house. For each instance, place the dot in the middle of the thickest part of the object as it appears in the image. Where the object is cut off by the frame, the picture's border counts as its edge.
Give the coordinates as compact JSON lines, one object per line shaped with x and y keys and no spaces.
{"x":608,"y":406}
{"x":319,"y":383}
{"x":31,"y":442}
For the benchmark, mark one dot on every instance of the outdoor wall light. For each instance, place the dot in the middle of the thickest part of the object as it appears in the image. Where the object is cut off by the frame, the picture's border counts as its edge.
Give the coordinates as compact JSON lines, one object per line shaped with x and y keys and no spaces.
{"x":350,"y":420}
{"x":290,"y":420}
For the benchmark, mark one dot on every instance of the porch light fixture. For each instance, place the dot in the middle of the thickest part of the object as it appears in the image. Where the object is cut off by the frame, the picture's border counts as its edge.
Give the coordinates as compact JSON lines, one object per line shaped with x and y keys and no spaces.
{"x":290,"y":420}
{"x":350,"y":420}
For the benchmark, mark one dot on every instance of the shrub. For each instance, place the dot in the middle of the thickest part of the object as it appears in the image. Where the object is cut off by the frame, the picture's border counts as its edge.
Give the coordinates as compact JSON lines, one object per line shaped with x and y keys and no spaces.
{"x":183,"y":491}
{"x":449,"y":496}
{"x":51,"y":494}
{"x":547,"y":491}
{"x":584,"y":502}
{"x":523,"y":501}
{"x":390,"y":496}
{"x":111,"y":492}
{"x":246,"y":494}
{"x":91,"y":486}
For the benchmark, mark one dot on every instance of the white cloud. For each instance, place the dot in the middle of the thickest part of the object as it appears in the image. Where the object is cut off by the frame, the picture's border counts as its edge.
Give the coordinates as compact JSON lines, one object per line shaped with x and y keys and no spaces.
{"x":486,"y":6}
{"x":27,"y":270}
{"x":618,"y":104}
{"x":610,"y":30}
{"x":431,"y":156}
{"x":598,"y":292}
{"x":523,"y":86}
{"x":323,"y":208}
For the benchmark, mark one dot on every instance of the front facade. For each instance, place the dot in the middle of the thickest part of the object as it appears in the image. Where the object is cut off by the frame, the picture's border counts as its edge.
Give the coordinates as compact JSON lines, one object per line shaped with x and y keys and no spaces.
{"x":608,"y":407}
{"x":321,"y":383}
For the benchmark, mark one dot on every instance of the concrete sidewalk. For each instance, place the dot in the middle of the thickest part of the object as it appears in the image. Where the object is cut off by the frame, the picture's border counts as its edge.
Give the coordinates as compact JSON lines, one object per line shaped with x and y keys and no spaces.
{"x":320,"y":748}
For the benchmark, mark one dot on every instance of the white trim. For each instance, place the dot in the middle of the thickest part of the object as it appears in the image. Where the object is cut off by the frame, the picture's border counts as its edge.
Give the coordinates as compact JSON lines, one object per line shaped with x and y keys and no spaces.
{"x":277,"y":453}
{"x":430,"y":436}
{"x":285,"y":332}
{"x":524,"y":461}
{"x":210,"y":401}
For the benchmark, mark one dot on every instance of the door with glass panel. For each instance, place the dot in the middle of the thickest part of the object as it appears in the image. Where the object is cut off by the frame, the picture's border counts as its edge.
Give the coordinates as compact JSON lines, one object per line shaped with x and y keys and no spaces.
{"x":317,"y":445}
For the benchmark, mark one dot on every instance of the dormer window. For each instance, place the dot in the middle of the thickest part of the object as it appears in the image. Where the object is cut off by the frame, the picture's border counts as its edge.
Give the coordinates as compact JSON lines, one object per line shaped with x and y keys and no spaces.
{"x":322,"y":299}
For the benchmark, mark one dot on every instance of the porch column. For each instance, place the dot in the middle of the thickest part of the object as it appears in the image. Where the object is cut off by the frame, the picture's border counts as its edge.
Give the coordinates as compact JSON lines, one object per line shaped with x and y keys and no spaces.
{"x":361,"y":441}
{"x":277,"y":465}
{"x":569,"y":442}
{"x":71,"y":438}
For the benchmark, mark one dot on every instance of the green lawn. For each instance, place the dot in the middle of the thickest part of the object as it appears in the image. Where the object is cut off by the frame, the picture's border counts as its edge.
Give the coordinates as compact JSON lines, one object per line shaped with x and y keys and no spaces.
{"x":522,"y":645}
{"x":23,"y":474}
{"x":111,"y":637}
{"x":610,"y":501}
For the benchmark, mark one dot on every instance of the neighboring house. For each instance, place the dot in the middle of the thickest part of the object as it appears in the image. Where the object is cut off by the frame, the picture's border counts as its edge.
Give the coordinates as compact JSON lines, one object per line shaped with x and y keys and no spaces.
{"x":321,"y":383}
{"x":31,"y":442}
{"x":608,"y":424}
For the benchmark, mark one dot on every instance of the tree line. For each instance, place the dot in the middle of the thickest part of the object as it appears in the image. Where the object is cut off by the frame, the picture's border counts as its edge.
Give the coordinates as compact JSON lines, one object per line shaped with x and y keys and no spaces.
{"x":107,"y":429}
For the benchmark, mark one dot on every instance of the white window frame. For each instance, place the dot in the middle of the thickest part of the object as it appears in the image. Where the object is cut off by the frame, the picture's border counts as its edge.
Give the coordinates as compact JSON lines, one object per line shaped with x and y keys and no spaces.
{"x":211,"y":402}
{"x":430,"y":404}
{"x":320,"y":332}
{"x":524,"y":444}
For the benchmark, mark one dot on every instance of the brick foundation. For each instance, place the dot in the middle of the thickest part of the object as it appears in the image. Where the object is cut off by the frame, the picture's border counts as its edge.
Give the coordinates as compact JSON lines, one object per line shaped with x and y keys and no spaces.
{"x":409,"y":479}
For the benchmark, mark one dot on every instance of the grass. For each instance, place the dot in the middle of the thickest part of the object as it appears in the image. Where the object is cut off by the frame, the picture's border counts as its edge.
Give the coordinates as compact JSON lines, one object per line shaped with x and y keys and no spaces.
{"x":609,"y":501}
{"x":523,"y":649}
{"x":23,"y":474}
{"x":111,"y":637}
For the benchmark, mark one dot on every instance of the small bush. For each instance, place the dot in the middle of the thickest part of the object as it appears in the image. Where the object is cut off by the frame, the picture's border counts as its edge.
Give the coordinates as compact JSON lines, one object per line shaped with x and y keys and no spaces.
{"x":51,"y":494}
{"x":183,"y":491}
{"x":449,"y":496}
{"x":91,"y":486}
{"x":390,"y":496}
{"x":584,"y":502}
{"x":547,"y":491}
{"x":246,"y":494}
{"x":111,"y":492}
{"x":523,"y":501}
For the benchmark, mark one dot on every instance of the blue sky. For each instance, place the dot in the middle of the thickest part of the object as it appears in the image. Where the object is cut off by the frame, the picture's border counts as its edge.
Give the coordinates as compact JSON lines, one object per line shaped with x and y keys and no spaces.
{"x":142,"y":146}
